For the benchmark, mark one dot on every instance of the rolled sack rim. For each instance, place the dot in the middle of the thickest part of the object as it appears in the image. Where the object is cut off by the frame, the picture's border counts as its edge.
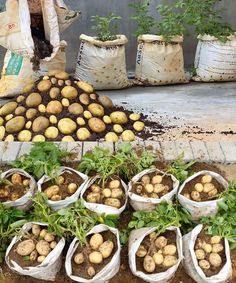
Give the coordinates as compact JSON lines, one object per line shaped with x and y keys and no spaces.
{"x":121,"y":40}
{"x":153,"y":38}
{"x":208,"y":37}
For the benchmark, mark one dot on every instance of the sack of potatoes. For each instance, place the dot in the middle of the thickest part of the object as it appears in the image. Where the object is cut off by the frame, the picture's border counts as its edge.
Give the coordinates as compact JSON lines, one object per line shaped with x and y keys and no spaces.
{"x":150,"y":187}
{"x":59,"y":108}
{"x":17,"y":188}
{"x":98,"y":260}
{"x":64,"y":189}
{"x":36,"y":253}
{"x":109,"y":197}
{"x":207,"y":258}
{"x":154,"y":256}
{"x":200,"y":193}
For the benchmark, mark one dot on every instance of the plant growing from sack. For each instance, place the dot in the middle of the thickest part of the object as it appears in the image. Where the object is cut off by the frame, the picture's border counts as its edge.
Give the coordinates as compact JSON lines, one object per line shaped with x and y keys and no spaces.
{"x":101,"y":59}
{"x":160,"y":55}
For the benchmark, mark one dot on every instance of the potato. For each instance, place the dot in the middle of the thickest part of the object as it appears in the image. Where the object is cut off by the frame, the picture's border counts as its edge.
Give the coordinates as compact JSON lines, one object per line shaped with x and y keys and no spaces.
{"x":85,"y":87}
{"x":95,"y":257}
{"x":116,"y":193}
{"x":106,"y":249}
{"x":33,"y":255}
{"x":1,"y":121}
{"x":128,"y":136}
{"x":53,"y":244}
{"x":54,"y":107}
{"x":60,"y":82}
{"x":42,"y":108}
{"x":207,"y":248}
{"x":38,"y":138}
{"x":40,"y":124}
{"x":215,"y":239}
{"x":105,"y":101}
{"x":67,"y":126}
{"x":106,"y":119}
{"x":52,"y":190}
{"x":30,"y":113}
{"x":158,"y":258}
{"x":49,"y":237}
{"x":65,"y":102}
{"x":118,"y":129}
{"x":204,"y":264}
{"x":20,"y":98}
{"x":217,"y":248}
{"x":149,"y":188}
{"x":161,"y":242}
{"x":68,"y":82}
{"x":114,"y":184}
{"x":16,"y":179}
{"x":56,"y":198}
{"x":95,"y":188}
{"x":28,"y":125}
{"x":14,"y":196}
{"x":198,"y":187}
{"x":33,"y":100}
{"x":43,"y":247}
{"x":36,"y":230}
{"x":96,"y":125}
{"x":215,"y":259}
{"x":84,"y":99}
{"x":111,"y":137}
{"x":54,"y":92}
{"x":195,"y":196}
{"x":24,"y":136}
{"x":72,"y":188}
{"x":91,"y":271}
{"x":96,"y":109}
{"x":8,"y":108}
{"x":93,"y":197}
{"x":200,"y":254}
{"x":199,"y":244}
{"x":26,"y":182}
{"x":69,"y":92}
{"x":156,"y":179}
{"x":76,"y":109}
{"x":169,"y":250}
{"x":25,"y":247}
{"x":62,"y":75}
{"x":60,"y":180}
{"x":118,"y":117}
{"x":141,"y":252}
{"x":53,"y":81}
{"x":87,"y":114}
{"x":83,"y":134}
{"x":9,"y":117}
{"x":113,"y":202}
{"x":43,"y":233}
{"x":149,"y":264}
{"x":51,"y":133}
{"x":41,"y":258}
{"x":208,"y":187}
{"x":9,"y":138}
{"x":67,"y":139}
{"x":145,"y":179}
{"x":134,"y":116}
{"x":44,"y":86}
{"x":80,"y":121}
{"x":138,"y":126}
{"x":15,"y":125}
{"x":206,"y":179}
{"x":20,"y":110}
{"x":96,"y":241}
{"x":79,"y":258}
{"x":213,"y":193}
{"x":106,"y":193}
{"x":158,"y":188}
{"x":169,"y":261}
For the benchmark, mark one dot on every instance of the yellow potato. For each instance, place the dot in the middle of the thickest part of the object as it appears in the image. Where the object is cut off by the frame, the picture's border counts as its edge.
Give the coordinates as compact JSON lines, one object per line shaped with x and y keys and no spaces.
{"x":96,"y":125}
{"x":106,"y":249}
{"x":25,"y":247}
{"x":105,"y":101}
{"x":8,"y":117}
{"x":106,"y":119}
{"x":1,"y":121}
{"x":51,"y":133}
{"x":76,"y":109}
{"x":83,"y":134}
{"x":80,"y":121}
{"x":128,"y":136}
{"x":43,"y":247}
{"x":141,"y":252}
{"x":44,"y":86}
{"x":8,"y":108}
{"x":42,"y":108}
{"x":62,"y":75}
{"x":24,"y":136}
{"x":84,"y":98}
{"x":67,"y":126}
{"x":149,"y":264}
{"x":79,"y":258}
{"x":16,"y":179}
{"x":52,"y":190}
{"x":38,"y":138}
{"x":68,"y":139}
{"x":87,"y":114}
{"x":134,"y":116}
{"x":85,"y":87}
{"x":96,"y":109}
{"x":139,"y":126}
{"x":96,"y":241}
{"x":2,"y":132}
{"x":118,"y":117}
{"x":95,"y":257}
{"x":53,"y":119}
{"x":54,"y":92}
{"x":69,"y":92}
{"x":9,"y":138}
{"x":118,"y":129}
{"x":65,"y":102}
{"x":28,"y":125}
{"x":111,"y":137}
{"x":54,"y":107}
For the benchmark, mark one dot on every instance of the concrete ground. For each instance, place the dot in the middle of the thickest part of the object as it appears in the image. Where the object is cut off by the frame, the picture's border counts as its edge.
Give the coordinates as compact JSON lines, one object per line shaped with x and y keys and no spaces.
{"x":198,"y":111}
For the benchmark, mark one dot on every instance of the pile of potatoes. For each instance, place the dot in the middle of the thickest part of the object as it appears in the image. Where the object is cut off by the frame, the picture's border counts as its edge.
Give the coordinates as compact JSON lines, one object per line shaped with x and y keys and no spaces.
{"x":96,"y":252}
{"x":159,"y":253}
{"x":57,"y":107}
{"x":151,"y":187}
{"x":13,"y":187}
{"x":55,"y":193}
{"x":204,"y":187}
{"x":37,"y":246}
{"x":208,"y":251}
{"x":111,"y":195}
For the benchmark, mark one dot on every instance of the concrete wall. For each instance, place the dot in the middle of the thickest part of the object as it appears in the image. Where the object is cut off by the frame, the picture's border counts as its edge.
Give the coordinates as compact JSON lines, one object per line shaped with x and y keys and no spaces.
{"x":119,"y":7}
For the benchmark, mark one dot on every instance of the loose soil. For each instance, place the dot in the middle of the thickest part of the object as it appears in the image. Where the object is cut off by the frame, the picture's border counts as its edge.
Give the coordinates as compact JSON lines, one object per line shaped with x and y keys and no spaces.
{"x":189,"y":187}
{"x":213,"y":270}
{"x":106,"y":185}
{"x":20,"y":190}
{"x":150,"y":246}
{"x":81,"y":269}
{"x":166,"y":181}
{"x":69,"y":177}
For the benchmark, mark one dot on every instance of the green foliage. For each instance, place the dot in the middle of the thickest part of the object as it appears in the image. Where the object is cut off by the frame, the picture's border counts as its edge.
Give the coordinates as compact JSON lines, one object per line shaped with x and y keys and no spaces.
{"x":224,"y":222}
{"x":104,"y":26}
{"x":144,"y":21}
{"x":181,"y":169}
{"x":44,"y":158}
{"x":125,"y":162}
{"x":11,"y":220}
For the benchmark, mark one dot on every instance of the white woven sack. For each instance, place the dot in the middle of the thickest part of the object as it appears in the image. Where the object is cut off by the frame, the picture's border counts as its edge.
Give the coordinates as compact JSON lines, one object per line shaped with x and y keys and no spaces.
{"x":102,"y":64}
{"x":191,"y":262}
{"x":204,"y":208}
{"x":158,"y":62}
{"x":108,"y":271}
{"x":25,"y":202}
{"x":135,"y":239}
{"x":56,"y":205}
{"x":140,"y":203}
{"x":102,"y":208}
{"x":215,"y":60}
{"x":46,"y":270}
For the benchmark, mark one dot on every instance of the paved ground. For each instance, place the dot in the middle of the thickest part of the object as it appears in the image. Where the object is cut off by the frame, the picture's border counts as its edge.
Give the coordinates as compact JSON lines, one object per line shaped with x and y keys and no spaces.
{"x":221,"y":152}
